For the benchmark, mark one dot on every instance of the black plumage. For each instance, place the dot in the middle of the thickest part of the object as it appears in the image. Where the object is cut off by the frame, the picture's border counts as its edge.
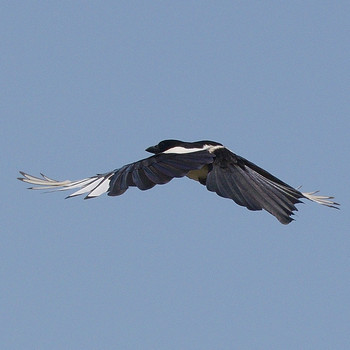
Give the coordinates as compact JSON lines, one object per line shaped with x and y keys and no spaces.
{"x":213,"y":165}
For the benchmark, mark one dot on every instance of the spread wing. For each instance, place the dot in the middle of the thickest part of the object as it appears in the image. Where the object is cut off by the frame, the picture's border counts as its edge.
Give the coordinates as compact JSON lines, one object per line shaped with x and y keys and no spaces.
{"x":144,"y":174}
{"x":250,"y":186}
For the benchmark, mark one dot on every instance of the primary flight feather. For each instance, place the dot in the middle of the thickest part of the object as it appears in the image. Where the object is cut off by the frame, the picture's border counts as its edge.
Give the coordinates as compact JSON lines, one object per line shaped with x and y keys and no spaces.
{"x":208,"y":162}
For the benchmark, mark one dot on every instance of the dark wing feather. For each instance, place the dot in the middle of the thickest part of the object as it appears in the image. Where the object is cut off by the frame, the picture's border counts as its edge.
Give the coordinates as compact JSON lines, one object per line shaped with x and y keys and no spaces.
{"x":157,"y":170}
{"x":248,"y":185}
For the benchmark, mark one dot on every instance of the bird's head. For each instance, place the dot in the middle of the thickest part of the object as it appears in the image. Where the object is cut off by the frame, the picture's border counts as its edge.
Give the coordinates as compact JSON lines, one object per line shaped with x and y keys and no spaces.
{"x":163,"y":146}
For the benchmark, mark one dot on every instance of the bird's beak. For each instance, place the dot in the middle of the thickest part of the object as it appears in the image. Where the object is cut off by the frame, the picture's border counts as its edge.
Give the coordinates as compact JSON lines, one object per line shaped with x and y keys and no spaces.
{"x":152,"y":149}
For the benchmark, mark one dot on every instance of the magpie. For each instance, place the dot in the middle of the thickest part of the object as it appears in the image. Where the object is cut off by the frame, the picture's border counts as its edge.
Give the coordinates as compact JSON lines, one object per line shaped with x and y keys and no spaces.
{"x":210,"y":163}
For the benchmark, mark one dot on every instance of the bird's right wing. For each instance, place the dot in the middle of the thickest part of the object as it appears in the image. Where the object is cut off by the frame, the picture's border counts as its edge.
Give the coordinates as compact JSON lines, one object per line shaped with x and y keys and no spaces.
{"x":144,"y":174}
{"x":250,"y":186}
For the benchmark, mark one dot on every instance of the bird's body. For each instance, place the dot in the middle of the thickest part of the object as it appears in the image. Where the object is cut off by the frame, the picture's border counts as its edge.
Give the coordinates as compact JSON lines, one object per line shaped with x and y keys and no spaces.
{"x":209,"y":163}
{"x":199,"y":175}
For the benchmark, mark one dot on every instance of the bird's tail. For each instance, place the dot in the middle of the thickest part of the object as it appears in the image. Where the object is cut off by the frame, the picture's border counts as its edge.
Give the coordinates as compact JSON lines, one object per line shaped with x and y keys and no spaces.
{"x":94,"y":186}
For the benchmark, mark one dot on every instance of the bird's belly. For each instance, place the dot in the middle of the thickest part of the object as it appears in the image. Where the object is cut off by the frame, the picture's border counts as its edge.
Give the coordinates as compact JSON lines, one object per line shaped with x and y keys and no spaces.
{"x":199,"y":174}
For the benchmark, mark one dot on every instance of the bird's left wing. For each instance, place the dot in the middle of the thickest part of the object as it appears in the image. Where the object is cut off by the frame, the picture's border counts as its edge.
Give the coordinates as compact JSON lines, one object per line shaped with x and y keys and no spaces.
{"x":144,"y":174}
{"x":95,"y":185}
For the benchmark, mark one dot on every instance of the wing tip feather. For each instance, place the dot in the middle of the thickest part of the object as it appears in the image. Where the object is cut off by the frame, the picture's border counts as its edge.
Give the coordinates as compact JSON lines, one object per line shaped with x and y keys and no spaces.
{"x":86,"y":185}
{"x":323,"y":200}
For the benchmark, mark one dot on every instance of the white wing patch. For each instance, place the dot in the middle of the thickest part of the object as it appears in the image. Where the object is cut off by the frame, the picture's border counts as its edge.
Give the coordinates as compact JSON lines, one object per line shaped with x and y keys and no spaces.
{"x":94,"y":186}
{"x":183,"y":150}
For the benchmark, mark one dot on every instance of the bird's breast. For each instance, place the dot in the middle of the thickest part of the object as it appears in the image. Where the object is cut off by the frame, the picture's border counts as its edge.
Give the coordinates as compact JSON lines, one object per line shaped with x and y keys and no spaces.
{"x":199,"y":174}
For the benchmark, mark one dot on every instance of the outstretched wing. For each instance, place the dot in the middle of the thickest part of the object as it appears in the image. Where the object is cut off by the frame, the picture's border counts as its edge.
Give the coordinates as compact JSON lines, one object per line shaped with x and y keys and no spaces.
{"x":95,"y":185}
{"x":250,"y":186}
{"x":144,"y":174}
{"x":157,"y":170}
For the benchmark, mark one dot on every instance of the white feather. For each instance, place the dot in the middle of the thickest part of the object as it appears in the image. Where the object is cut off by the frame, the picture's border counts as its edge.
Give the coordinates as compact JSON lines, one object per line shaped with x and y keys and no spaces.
{"x":324,"y":200}
{"x":95,"y":185}
{"x":183,"y":150}
{"x":101,"y":188}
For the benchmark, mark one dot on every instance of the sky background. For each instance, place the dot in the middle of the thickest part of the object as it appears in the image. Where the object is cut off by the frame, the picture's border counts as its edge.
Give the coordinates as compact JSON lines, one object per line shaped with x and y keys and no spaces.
{"x":86,"y":87}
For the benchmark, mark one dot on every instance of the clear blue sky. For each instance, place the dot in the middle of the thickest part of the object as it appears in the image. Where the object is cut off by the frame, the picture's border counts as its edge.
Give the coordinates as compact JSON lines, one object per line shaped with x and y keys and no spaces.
{"x":86,"y":87}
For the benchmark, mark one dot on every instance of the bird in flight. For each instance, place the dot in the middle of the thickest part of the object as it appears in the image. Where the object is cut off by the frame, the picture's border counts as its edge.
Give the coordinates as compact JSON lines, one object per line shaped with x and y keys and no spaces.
{"x":210,"y":163}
